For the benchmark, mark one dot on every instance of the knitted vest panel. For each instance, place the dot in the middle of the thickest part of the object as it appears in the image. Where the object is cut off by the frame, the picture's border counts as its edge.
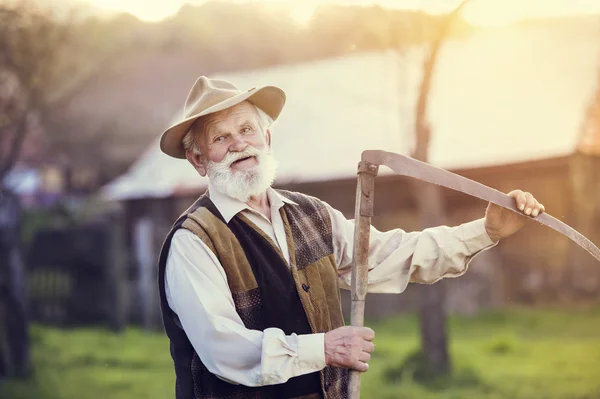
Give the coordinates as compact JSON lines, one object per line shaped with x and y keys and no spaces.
{"x":241,"y":248}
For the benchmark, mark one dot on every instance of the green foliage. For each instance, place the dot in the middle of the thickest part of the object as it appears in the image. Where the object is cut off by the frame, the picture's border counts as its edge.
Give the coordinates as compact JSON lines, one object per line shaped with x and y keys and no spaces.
{"x":516,"y":354}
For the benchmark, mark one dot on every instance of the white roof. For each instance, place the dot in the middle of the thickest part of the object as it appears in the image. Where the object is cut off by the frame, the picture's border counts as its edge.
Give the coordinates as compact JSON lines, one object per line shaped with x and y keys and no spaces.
{"x":499,"y":96}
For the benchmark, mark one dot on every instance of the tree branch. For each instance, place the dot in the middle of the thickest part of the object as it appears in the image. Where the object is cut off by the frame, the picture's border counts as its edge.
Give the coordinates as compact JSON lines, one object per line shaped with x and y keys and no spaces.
{"x":422,"y":127}
{"x":15,"y":147}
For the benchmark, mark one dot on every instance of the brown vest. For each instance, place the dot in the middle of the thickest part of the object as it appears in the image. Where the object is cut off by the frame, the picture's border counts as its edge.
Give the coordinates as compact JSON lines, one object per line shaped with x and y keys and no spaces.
{"x":313,"y":273}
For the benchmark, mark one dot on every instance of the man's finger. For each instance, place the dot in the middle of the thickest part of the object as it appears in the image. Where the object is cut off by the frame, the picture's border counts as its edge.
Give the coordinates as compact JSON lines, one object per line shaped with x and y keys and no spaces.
{"x":530,"y":205}
{"x":527,"y":203}
{"x":368,"y":346}
{"x":514,"y":193}
{"x":367,"y":333}
{"x":537,"y":209}
{"x":360,"y":366}
{"x":520,"y":198}
{"x":364,"y":357}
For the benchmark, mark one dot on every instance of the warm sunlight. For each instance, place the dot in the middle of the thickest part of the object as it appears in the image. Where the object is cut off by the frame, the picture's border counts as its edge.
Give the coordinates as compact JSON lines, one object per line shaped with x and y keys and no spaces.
{"x":496,"y":13}
{"x":143,"y":9}
{"x":493,"y":13}
{"x":302,"y":12}
{"x":479,"y":12}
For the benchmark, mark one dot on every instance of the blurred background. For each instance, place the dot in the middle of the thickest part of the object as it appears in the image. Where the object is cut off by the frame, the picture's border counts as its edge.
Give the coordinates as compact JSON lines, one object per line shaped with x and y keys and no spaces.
{"x":504,"y":92}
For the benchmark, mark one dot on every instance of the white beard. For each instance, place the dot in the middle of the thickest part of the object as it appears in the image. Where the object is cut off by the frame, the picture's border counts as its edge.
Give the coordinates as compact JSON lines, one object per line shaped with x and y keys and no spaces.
{"x":242,"y":185}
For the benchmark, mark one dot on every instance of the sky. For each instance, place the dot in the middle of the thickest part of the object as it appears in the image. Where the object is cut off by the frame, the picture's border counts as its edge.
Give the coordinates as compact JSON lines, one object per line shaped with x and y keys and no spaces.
{"x":478,"y":12}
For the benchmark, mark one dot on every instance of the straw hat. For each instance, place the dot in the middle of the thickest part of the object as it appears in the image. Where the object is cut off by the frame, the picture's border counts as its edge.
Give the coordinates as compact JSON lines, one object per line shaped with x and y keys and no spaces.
{"x":212,"y":95}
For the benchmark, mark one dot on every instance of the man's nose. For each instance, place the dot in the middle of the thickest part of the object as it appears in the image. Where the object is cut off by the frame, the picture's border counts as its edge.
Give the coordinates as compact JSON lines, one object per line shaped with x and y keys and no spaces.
{"x":237,"y":143}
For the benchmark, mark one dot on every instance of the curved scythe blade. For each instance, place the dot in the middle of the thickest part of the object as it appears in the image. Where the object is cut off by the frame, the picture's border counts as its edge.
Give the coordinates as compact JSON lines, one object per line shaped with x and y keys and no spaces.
{"x":410,"y":167}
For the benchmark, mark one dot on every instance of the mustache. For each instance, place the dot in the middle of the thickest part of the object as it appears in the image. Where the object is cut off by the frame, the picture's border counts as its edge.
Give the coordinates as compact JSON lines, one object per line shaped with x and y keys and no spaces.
{"x":231,"y":157}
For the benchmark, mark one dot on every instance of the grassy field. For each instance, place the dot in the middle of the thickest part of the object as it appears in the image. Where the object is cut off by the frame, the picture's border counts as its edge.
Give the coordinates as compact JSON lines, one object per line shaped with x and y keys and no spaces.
{"x":516,"y":354}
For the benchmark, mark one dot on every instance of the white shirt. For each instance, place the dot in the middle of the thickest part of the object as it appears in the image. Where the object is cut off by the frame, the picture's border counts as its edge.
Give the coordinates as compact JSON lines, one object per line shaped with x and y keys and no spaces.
{"x":197,"y":290}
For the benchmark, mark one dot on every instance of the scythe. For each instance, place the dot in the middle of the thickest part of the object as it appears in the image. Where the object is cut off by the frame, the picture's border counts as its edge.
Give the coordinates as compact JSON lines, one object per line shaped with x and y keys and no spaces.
{"x":406,"y":166}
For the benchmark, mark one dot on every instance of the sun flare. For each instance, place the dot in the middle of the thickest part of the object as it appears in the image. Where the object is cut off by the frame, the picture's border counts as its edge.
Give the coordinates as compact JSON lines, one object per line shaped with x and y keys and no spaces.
{"x":504,"y":12}
{"x":301,"y":12}
{"x":142,"y":9}
{"x":477,"y":12}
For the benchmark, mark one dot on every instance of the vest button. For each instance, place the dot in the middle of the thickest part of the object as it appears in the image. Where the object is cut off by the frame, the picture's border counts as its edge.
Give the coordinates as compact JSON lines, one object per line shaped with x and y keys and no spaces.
{"x":326,"y":386}
{"x":305,"y":287}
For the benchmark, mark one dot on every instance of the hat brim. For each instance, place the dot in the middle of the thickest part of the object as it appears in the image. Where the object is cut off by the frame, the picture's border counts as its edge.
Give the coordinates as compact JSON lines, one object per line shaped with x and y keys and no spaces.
{"x":270,"y":99}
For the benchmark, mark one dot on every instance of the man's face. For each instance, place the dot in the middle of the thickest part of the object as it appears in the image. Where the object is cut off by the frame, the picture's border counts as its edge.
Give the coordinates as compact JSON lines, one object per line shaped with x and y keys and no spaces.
{"x":232,"y":131}
{"x":235,"y":152}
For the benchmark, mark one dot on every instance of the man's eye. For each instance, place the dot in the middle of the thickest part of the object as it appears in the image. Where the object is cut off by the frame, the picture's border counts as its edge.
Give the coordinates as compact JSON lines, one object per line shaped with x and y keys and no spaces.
{"x":246,"y":130}
{"x":219,"y":139}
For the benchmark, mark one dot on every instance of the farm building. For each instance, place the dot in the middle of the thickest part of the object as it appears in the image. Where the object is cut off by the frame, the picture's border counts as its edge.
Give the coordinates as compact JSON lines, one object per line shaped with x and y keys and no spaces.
{"x":509,"y":108}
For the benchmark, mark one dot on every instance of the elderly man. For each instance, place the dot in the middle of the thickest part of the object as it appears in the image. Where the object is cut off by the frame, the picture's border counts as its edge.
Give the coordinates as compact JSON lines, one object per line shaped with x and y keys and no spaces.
{"x":249,"y":276}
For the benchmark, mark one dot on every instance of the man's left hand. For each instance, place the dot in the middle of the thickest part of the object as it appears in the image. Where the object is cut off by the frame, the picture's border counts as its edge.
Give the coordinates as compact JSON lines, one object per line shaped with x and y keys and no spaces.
{"x":501,"y":223}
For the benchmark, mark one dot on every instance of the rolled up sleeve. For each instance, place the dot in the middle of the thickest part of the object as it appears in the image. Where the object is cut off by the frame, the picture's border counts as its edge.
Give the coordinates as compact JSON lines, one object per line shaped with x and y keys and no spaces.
{"x":397,"y":257}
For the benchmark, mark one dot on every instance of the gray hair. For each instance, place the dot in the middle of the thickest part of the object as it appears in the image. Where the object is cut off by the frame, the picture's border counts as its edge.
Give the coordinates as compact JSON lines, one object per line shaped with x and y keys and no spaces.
{"x":190,"y":140}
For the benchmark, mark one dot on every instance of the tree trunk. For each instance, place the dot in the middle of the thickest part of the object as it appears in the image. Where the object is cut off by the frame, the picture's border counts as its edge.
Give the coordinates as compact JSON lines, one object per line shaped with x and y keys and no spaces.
{"x":432,"y":315}
{"x":14,"y":146}
{"x":429,"y":201}
{"x":14,"y":336}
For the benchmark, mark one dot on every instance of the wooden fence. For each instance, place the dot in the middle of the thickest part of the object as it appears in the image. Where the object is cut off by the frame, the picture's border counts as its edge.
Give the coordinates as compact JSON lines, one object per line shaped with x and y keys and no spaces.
{"x":77,"y":276}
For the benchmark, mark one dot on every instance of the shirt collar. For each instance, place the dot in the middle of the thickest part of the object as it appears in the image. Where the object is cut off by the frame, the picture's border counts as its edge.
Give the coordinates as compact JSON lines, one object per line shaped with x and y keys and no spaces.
{"x":228,"y":207}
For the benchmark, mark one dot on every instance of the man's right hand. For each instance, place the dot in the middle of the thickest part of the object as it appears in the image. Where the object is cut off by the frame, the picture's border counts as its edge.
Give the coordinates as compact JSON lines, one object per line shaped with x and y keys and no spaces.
{"x":349,"y":347}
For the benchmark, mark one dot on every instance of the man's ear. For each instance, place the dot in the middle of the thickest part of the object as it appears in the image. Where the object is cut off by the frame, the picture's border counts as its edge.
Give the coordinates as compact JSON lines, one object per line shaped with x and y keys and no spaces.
{"x":198,"y":161}
{"x":268,"y":136}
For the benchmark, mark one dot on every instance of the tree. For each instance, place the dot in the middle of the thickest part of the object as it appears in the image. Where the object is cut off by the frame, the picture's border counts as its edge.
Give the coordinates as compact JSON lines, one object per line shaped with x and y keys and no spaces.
{"x":14,"y":339}
{"x":37,"y":82}
{"x":46,"y":61}
{"x":31,"y":46}
{"x":428,"y":197}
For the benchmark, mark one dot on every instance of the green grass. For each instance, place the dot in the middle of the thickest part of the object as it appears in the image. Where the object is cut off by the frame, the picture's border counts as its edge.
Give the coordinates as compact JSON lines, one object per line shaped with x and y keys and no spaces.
{"x":516,"y":354}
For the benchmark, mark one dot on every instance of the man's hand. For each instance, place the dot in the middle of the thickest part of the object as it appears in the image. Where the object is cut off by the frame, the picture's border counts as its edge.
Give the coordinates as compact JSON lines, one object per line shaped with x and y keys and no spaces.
{"x":349,"y":347}
{"x":501,"y":223}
